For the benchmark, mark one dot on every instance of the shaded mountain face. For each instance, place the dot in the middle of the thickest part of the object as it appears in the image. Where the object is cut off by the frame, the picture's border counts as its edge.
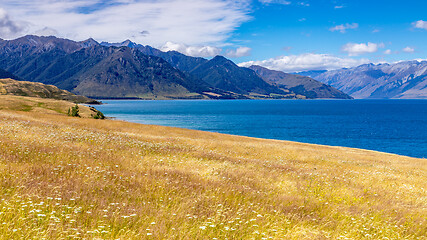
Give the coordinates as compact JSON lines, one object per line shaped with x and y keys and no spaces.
{"x":400,"y":80}
{"x":298,"y":84}
{"x":222,"y":73}
{"x":90,"y":69}
{"x":126,"y":72}
{"x":6,"y":74}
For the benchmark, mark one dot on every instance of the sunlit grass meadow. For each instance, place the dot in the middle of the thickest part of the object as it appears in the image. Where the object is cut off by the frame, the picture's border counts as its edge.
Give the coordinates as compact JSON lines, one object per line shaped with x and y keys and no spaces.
{"x":78,"y":178}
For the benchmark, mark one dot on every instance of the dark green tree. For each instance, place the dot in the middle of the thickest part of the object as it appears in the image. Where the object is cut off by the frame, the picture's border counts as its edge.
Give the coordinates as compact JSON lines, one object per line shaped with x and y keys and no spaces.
{"x":74,"y":111}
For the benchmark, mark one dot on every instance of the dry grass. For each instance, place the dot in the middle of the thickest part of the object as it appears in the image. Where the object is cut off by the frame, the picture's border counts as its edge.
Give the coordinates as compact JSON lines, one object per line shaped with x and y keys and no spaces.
{"x":41,"y":105}
{"x":64,"y":177}
{"x":10,"y":86}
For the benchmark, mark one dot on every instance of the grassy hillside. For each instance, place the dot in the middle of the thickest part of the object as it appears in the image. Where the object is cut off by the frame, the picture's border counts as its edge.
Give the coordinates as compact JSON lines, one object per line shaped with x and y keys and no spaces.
{"x":10,"y":86}
{"x":65,"y":177}
{"x":42,"y":105}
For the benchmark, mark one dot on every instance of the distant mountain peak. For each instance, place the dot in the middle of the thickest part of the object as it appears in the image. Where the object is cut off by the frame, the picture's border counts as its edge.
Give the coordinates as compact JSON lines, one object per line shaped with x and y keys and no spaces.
{"x":89,"y":42}
{"x":129,"y":43}
{"x":222,"y":60}
{"x":126,"y":43}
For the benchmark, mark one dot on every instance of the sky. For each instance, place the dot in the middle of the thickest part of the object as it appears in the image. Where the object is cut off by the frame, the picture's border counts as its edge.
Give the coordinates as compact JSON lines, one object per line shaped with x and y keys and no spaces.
{"x":286,"y":35}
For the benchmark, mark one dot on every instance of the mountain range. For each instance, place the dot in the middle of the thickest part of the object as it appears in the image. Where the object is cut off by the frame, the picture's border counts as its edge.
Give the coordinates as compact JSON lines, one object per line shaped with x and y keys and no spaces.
{"x":130,"y":70}
{"x":406,"y":79}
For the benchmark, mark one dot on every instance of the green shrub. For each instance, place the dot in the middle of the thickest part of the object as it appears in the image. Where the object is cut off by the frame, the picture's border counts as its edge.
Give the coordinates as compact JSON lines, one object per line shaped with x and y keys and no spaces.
{"x":74,"y":111}
{"x":97,"y":114}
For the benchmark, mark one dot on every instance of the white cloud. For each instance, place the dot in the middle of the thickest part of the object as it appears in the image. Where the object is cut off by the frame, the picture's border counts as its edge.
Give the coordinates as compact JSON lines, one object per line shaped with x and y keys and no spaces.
{"x":239,"y":52}
{"x":420,"y":24}
{"x":305,"y":62}
{"x":193,"y":22}
{"x":8,"y":27}
{"x":343,"y":27}
{"x":409,"y":49}
{"x":284,"y":2}
{"x":387,"y":52}
{"x":194,"y":51}
{"x":339,"y":7}
{"x":205,"y":51}
{"x":355,"y":49}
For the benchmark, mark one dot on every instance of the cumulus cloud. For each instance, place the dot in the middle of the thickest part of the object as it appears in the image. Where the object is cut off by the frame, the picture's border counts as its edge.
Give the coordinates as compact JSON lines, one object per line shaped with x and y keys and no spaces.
{"x":205,"y":51}
{"x":194,"y":51}
{"x":355,"y":49}
{"x":305,"y":62}
{"x":343,"y":27}
{"x":193,"y":22}
{"x":284,"y":2}
{"x":387,"y":52}
{"x":8,"y":27}
{"x":409,"y":49}
{"x":420,"y":24}
{"x":239,"y":52}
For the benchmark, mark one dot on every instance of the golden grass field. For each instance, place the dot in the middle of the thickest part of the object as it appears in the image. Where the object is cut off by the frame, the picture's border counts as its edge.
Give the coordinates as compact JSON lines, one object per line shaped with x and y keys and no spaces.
{"x":79,"y":178}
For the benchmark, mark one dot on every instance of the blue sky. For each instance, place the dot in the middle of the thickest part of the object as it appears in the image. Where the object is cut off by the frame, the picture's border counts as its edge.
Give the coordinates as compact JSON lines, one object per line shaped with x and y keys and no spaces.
{"x":285,"y":35}
{"x":294,"y":29}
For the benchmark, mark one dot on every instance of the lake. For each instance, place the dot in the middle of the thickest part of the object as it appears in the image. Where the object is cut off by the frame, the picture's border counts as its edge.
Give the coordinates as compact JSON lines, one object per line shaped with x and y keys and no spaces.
{"x":394,"y":126}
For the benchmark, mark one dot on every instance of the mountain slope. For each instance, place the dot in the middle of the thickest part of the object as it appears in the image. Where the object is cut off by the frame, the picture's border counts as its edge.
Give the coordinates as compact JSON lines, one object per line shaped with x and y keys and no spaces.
{"x":6,"y":74}
{"x":127,"y":72}
{"x":222,"y":73}
{"x":400,"y":80}
{"x":299,"y":84}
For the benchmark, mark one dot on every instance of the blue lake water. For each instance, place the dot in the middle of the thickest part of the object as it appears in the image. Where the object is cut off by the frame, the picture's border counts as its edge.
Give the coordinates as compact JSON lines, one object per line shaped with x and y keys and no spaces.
{"x":394,"y":126}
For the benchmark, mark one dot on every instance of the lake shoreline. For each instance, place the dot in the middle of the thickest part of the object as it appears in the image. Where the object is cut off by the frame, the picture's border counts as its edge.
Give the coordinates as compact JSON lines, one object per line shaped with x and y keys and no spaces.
{"x":378,"y":125}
